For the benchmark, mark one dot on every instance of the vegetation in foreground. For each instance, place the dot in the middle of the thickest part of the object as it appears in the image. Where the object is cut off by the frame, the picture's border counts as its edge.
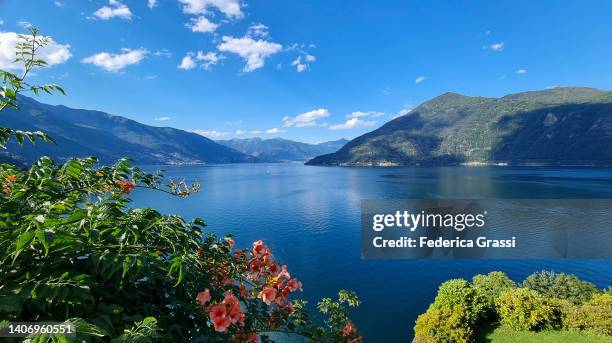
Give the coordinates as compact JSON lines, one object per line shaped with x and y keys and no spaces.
{"x":545,"y":306}
{"x":73,"y":250}
{"x":506,"y":335}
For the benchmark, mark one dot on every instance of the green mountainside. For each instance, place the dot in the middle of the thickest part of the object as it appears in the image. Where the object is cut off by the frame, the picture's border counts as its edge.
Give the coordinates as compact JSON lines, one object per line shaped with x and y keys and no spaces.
{"x":569,"y":125}
{"x":278,"y":149}
{"x":81,"y":133}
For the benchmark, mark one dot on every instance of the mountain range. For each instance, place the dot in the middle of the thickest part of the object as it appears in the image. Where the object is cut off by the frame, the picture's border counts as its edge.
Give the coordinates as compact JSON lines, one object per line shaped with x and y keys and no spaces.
{"x":82,"y":133}
{"x":280,"y":150}
{"x":558,"y":126}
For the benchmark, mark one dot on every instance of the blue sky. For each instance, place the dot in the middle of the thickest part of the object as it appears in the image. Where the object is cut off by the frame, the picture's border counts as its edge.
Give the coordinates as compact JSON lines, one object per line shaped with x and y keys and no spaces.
{"x":305,"y":70}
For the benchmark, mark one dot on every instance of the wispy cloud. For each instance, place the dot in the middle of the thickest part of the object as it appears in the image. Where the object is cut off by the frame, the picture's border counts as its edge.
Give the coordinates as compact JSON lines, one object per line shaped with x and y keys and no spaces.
{"x":231,"y":8}
{"x":204,"y":60}
{"x":306,"y":119}
{"x":499,"y":46}
{"x":212,"y":133}
{"x":274,"y":130}
{"x":521,"y":71}
{"x":163,"y":118}
{"x":25,"y":24}
{"x":302,"y":63}
{"x":360,"y":114}
{"x":402,"y":112}
{"x":237,"y":122}
{"x":116,"y":62}
{"x":352,"y":123}
{"x":151,"y":3}
{"x":420,"y":79}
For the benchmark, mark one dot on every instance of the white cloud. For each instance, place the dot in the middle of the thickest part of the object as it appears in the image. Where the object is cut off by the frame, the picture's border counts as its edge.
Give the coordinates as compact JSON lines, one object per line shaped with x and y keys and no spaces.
{"x":151,"y":3}
{"x":274,"y":130}
{"x":163,"y":118}
{"x":209,"y":59}
{"x":257,"y":30}
{"x":54,"y":53}
{"x":306,"y":119}
{"x":115,"y":9}
{"x":58,"y":3}
{"x":420,"y":79}
{"x":116,"y":62}
{"x":1,"y":22}
{"x":302,"y":63}
{"x":201,"y":24}
{"x":240,"y":132}
{"x":254,"y":52}
{"x":255,"y":132}
{"x":359,"y":114}
{"x":497,"y":46}
{"x":231,"y":8}
{"x":521,"y":71}
{"x":211,"y":133}
{"x":402,"y":112}
{"x":187,"y":62}
{"x":163,"y":53}
{"x":352,"y":123}
{"x":150,"y":77}
{"x":25,"y":24}
{"x":237,"y":122}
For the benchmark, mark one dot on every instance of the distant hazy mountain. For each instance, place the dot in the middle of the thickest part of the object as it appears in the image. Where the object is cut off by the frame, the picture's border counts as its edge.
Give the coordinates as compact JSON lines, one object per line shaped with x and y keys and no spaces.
{"x":93,"y":133}
{"x":278,"y":149}
{"x":555,"y":126}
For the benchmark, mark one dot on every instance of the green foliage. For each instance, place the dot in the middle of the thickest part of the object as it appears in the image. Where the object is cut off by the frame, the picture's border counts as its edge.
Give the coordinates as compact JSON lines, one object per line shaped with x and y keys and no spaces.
{"x":525,"y":309}
{"x":561,"y":286}
{"x":12,"y":84}
{"x":444,"y":325}
{"x":459,"y":293}
{"x":595,"y":315}
{"x":490,"y":286}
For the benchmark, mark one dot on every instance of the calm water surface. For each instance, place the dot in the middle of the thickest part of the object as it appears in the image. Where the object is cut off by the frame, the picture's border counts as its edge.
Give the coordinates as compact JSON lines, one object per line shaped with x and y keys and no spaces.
{"x":309,"y":216}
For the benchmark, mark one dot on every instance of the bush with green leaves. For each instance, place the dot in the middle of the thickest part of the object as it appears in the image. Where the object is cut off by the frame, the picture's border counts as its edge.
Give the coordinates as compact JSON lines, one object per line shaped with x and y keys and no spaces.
{"x":459,"y":292}
{"x":444,"y":325}
{"x":561,"y":286}
{"x":596,"y":314}
{"x":73,"y":249}
{"x":525,"y":309}
{"x":491,"y":285}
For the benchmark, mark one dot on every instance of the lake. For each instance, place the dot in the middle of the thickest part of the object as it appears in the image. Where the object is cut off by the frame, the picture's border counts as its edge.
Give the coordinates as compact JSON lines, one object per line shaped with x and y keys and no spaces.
{"x":309,"y":216}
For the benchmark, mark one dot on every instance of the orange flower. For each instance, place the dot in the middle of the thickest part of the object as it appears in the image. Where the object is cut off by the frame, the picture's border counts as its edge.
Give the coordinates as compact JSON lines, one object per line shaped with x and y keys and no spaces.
{"x":11,"y":178}
{"x":100,"y":173}
{"x":6,"y":190}
{"x":348,"y":330}
{"x":125,"y":186}
{"x":203,"y":297}
{"x":268,"y":295}
{"x":294,"y":285}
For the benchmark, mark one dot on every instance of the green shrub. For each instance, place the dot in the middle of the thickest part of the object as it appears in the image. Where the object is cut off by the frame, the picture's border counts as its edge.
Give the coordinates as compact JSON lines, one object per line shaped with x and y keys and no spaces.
{"x":491,"y":285}
{"x":597,"y":314}
{"x":459,"y":292}
{"x":561,"y":286}
{"x":444,"y":325}
{"x":525,"y":309}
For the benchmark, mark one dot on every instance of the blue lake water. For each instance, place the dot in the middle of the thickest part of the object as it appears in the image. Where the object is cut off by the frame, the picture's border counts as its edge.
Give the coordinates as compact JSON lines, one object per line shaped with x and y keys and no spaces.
{"x":309,"y":216}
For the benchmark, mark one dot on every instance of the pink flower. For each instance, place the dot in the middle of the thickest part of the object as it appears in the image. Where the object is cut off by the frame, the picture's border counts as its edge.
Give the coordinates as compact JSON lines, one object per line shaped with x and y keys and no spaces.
{"x":348,"y":330}
{"x":221,"y":323}
{"x":268,"y":295}
{"x":260,"y":249}
{"x":294,"y":285}
{"x":217,"y":311}
{"x":284,"y":273}
{"x":203,"y":297}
